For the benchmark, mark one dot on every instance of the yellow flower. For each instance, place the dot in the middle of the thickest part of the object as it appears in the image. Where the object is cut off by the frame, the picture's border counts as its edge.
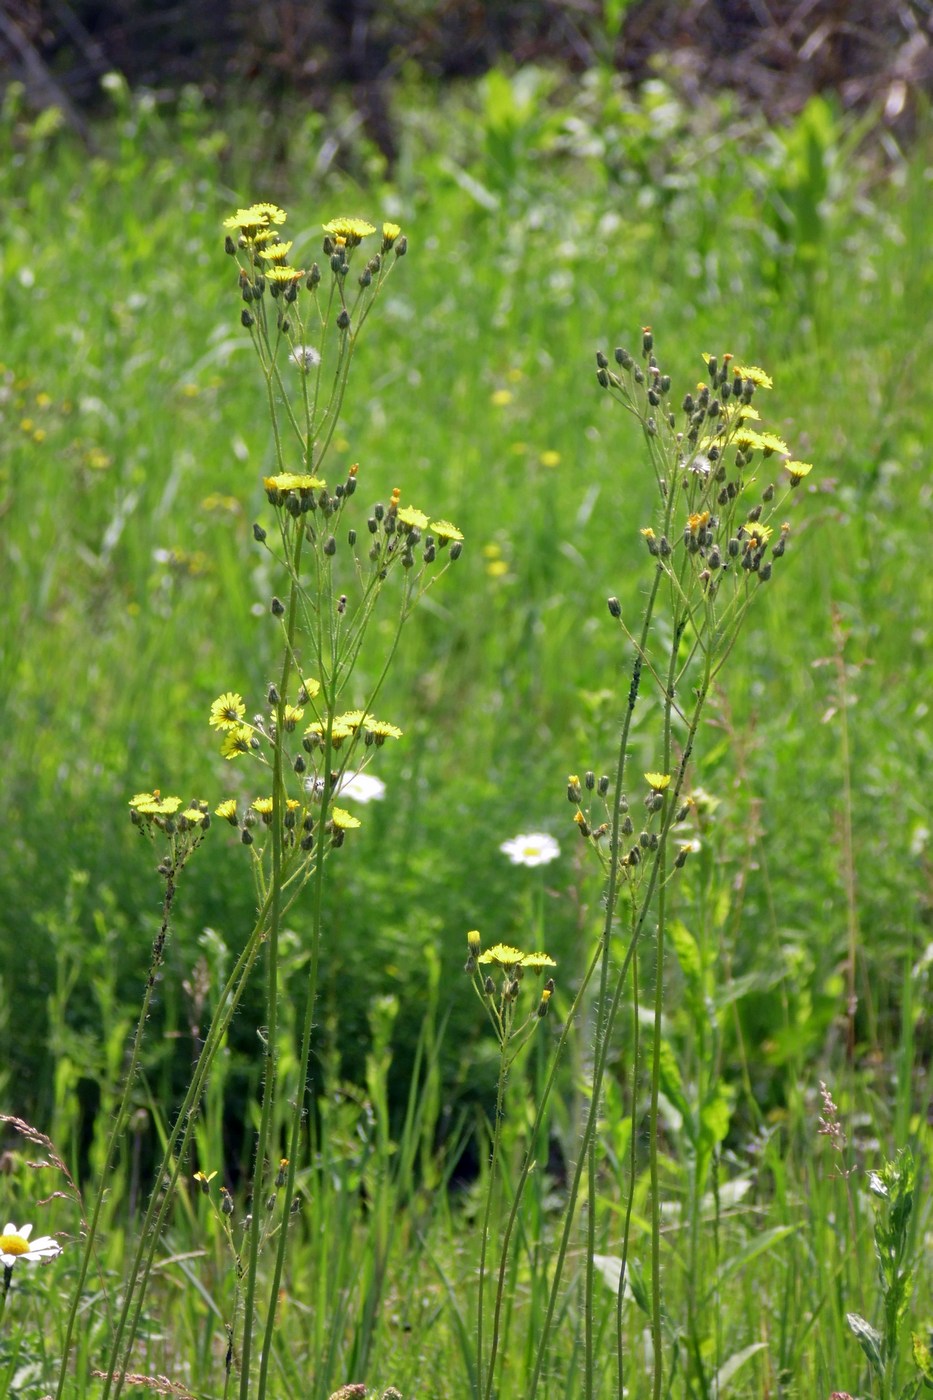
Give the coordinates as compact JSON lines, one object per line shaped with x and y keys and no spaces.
{"x":353,"y":231}
{"x":256,"y":217}
{"x":381,"y":730}
{"x":276,"y":252}
{"x":271,"y":212}
{"x":501,"y":397}
{"x":502,"y":955}
{"x":351,"y":719}
{"x":344,"y":821}
{"x":658,"y":781}
{"x":389,"y":234}
{"x":227,"y":711}
{"x":497,"y":569}
{"x":798,"y":470}
{"x":291,"y":716}
{"x":152,"y":804}
{"x":275,"y":486}
{"x":756,"y":375}
{"x":696,"y":522}
{"x":770,"y":442}
{"x":226,"y":810}
{"x":537,"y":961}
{"x":445,"y":531}
{"x":549,"y":458}
{"x":310,"y":686}
{"x":284,"y":276}
{"x":263,"y":805}
{"x":237,"y":741}
{"x":748,"y":440}
{"x":414,"y":519}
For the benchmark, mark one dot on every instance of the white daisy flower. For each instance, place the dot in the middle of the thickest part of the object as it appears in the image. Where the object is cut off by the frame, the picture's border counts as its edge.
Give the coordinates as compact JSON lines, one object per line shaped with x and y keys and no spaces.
{"x":535,"y":848}
{"x":362,"y":787}
{"x":15,"y":1244}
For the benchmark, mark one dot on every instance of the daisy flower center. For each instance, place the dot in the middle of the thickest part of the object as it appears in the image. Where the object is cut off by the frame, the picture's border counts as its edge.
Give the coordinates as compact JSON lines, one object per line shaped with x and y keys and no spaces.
{"x":13,"y":1244}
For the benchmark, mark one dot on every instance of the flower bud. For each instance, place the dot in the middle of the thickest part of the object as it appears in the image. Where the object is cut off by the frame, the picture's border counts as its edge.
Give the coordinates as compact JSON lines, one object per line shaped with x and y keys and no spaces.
{"x":246,"y":318}
{"x":278,"y":607}
{"x":615,"y":607}
{"x":259,"y":533}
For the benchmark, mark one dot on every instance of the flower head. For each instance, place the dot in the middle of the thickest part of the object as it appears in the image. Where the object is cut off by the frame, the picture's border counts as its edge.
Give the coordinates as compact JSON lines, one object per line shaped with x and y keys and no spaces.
{"x":15,"y":1244}
{"x":227,"y":810}
{"x":153,"y":804}
{"x":276,"y":252}
{"x":412,"y":518}
{"x":343,"y":820}
{"x":658,"y":781}
{"x":534,"y":848}
{"x":445,"y":531}
{"x":227,"y":711}
{"x":537,"y":962}
{"x":389,"y":234}
{"x":502,"y":955}
{"x":770,"y":442}
{"x":381,"y":729}
{"x":256,"y":217}
{"x":361,"y":787}
{"x":756,"y":375}
{"x":352,"y":231}
{"x":284,"y":276}
{"x":237,"y":741}
{"x":798,"y":470}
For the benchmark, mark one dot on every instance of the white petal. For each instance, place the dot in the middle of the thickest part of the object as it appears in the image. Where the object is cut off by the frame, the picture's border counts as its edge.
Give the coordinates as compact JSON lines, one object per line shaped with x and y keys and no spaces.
{"x":45,"y":1245}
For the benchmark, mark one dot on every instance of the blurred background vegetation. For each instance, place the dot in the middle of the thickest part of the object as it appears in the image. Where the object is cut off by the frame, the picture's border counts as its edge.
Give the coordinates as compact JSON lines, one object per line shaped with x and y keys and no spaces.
{"x":745,"y":181}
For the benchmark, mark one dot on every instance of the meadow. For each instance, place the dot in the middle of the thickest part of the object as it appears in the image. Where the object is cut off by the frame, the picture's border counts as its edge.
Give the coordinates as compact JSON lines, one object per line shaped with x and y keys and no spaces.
{"x":545,"y":221}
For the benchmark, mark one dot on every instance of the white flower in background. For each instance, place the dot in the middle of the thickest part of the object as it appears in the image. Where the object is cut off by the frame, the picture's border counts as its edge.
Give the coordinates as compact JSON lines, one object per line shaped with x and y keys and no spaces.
{"x":15,"y":1244}
{"x":361,"y":787}
{"x":535,"y":848}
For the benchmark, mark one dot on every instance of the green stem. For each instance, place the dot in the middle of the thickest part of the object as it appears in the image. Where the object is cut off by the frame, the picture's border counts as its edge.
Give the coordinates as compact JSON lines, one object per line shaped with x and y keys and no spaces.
{"x":158,"y":949}
{"x":272,"y":983}
{"x":171,"y":1160}
{"x":484,"y":1244}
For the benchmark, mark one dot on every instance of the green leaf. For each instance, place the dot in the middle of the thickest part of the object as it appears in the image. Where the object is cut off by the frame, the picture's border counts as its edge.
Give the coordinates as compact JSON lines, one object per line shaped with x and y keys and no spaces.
{"x":869,"y":1340}
{"x":735,"y":1362}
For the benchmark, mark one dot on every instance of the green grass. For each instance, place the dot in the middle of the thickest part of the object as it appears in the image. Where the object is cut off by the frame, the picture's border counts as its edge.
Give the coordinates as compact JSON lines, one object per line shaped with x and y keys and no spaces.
{"x":131,"y":590}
